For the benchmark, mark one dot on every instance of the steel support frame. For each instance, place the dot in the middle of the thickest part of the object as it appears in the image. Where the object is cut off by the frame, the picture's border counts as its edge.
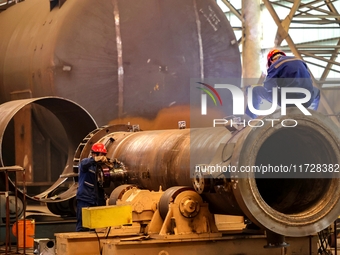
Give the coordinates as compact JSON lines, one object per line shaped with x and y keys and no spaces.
{"x":299,"y":11}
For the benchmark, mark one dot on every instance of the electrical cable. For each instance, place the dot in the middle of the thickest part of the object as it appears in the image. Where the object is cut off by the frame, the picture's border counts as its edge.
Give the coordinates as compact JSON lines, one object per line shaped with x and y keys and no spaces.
{"x":100,"y":248}
{"x":108,"y":232}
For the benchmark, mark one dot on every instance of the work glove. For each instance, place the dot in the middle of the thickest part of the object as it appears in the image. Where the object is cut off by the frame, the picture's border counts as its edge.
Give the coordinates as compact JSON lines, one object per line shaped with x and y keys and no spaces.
{"x":103,"y":160}
{"x":100,"y":159}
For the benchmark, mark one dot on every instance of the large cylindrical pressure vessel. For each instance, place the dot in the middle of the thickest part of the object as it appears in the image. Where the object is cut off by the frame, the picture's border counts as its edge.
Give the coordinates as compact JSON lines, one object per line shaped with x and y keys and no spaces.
{"x":164,"y":157}
{"x":290,"y":179}
{"x":116,"y":58}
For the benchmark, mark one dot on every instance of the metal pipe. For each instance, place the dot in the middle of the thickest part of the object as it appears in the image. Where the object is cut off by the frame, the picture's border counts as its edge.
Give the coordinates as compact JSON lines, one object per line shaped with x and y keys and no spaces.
{"x":16,"y":210}
{"x":8,"y":243}
{"x":295,"y":204}
{"x":24,"y":201}
{"x":335,"y":239}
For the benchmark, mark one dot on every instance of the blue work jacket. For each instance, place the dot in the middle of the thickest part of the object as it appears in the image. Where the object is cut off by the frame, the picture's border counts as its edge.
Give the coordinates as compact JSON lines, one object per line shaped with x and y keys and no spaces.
{"x":289,"y":72}
{"x":87,"y":181}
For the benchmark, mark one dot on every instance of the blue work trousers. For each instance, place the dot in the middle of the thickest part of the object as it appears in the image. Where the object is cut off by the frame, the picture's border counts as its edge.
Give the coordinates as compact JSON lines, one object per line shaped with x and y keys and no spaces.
{"x":81,"y":204}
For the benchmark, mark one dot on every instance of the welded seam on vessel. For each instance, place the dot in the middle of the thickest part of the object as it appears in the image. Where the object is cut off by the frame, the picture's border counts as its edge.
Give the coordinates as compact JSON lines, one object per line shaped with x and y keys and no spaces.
{"x":200,"y":43}
{"x":119,"y":58}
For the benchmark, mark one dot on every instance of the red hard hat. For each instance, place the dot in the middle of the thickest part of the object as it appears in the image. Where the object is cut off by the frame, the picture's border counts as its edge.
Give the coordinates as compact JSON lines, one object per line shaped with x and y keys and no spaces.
{"x":271,"y":54}
{"x":99,"y":147}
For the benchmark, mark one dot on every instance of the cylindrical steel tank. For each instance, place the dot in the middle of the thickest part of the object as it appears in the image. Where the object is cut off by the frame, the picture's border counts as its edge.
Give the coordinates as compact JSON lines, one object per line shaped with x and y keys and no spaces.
{"x":295,"y":203}
{"x":71,"y":124}
{"x":119,"y":59}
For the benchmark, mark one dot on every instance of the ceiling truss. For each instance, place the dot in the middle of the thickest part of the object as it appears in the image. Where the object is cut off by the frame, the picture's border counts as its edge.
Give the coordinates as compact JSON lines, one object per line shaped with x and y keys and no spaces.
{"x":319,"y":13}
{"x":322,"y":54}
{"x":307,"y":15}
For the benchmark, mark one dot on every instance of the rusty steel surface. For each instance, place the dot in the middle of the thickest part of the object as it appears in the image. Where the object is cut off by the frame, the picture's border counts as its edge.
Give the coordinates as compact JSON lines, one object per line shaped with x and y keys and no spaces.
{"x":121,"y":60}
{"x":75,"y":121}
{"x":288,"y":206}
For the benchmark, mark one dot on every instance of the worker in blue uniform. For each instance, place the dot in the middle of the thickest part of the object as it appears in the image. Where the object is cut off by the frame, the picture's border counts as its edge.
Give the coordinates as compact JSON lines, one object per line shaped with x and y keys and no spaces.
{"x":284,"y":71}
{"x":89,"y":193}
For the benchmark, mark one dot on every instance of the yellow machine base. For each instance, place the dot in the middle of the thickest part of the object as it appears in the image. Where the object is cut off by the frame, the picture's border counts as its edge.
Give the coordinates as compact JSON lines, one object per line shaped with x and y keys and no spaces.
{"x":88,"y":244}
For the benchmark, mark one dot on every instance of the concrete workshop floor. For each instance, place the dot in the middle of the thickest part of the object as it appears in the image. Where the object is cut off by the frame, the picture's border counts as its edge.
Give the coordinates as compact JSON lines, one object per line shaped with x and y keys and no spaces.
{"x":14,"y":251}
